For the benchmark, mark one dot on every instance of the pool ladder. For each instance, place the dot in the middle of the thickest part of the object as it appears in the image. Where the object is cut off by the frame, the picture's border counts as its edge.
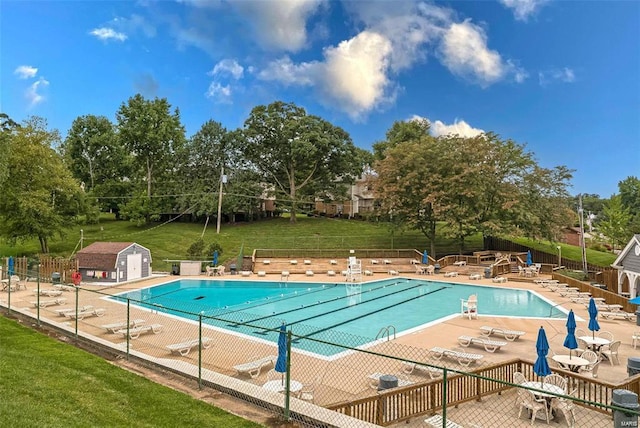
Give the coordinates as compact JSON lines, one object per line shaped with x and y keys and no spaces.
{"x":387,"y":331}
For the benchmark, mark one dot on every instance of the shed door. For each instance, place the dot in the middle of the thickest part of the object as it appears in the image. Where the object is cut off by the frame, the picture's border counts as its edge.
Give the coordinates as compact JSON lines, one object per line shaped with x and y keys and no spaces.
{"x":134,"y":266}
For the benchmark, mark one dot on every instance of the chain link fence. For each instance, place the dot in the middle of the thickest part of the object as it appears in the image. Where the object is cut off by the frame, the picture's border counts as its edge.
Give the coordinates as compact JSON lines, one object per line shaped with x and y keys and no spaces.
{"x":328,"y":377}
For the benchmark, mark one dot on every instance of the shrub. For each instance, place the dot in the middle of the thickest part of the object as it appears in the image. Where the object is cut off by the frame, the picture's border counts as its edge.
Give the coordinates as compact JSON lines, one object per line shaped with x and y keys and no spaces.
{"x":196,"y":250}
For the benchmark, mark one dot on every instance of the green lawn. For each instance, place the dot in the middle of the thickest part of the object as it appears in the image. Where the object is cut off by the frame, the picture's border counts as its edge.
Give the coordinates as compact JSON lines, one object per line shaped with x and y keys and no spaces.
{"x":46,"y":383}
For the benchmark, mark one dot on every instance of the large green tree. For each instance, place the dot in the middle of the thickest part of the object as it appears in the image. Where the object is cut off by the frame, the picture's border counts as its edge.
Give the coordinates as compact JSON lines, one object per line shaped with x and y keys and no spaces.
{"x":40,"y":198}
{"x":96,"y":157}
{"x":630,"y":198}
{"x":300,"y":155}
{"x":615,"y":222}
{"x":153,"y":135}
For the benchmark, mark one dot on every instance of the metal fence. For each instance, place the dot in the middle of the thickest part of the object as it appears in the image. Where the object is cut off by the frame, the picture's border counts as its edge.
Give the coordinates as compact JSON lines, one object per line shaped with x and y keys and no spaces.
{"x":328,"y":378}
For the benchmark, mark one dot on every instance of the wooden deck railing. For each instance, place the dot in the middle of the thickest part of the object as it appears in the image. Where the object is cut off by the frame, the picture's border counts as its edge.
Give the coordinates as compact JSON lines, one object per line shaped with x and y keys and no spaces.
{"x":401,"y":404}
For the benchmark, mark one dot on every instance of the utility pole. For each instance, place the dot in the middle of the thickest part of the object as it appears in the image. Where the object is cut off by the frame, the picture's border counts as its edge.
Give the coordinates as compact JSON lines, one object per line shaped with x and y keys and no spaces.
{"x":582,"y":240}
{"x":222,"y":180}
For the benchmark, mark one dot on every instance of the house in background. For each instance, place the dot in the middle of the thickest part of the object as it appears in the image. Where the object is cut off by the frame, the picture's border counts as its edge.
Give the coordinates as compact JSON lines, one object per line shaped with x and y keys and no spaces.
{"x":571,"y":236}
{"x":360,"y":200}
{"x":628,"y":266}
{"x":114,"y":262}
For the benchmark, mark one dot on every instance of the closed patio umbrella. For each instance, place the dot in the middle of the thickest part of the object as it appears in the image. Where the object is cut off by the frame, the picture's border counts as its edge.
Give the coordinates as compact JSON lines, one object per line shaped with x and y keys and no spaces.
{"x":570,"y":341}
{"x":425,"y":258}
{"x":541,"y":366}
{"x":593,"y":317}
{"x":10,"y":268}
{"x":281,"y":361}
{"x":215,"y":258}
{"x":529,"y":259}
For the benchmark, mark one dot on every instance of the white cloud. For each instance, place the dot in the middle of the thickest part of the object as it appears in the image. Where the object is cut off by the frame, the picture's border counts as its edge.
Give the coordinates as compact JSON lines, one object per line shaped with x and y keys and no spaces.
{"x":228,"y":67}
{"x":522,"y":9}
{"x":564,"y":75}
{"x":219,"y":93}
{"x":458,"y":127}
{"x":33,"y":94}
{"x":280,"y":25}
{"x":105,"y":33}
{"x":465,"y":53}
{"x":352,"y":77}
{"x":26,"y":71}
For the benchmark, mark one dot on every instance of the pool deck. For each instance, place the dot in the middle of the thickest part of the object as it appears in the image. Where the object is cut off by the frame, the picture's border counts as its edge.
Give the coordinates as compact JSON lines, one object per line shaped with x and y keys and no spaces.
{"x":417,"y":343}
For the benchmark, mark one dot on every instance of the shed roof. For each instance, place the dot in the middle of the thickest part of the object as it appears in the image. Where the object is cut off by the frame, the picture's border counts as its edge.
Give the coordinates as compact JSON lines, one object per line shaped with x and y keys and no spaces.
{"x":635,"y":240}
{"x":102,"y":255}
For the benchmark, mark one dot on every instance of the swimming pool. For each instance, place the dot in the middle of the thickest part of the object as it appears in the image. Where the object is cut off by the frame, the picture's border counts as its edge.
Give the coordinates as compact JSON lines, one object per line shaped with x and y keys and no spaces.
{"x":348,"y":314}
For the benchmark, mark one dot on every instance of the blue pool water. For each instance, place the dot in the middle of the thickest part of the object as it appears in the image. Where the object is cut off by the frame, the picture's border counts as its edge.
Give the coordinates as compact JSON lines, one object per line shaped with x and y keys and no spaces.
{"x":334,"y":312}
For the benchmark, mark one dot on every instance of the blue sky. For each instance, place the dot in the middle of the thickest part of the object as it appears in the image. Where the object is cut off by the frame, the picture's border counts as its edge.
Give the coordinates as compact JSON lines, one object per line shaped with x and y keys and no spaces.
{"x":562,"y":77}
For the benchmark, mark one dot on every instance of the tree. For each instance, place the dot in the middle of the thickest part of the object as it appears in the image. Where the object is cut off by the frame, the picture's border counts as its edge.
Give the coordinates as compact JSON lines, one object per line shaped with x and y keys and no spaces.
{"x":153,"y":136}
{"x":401,"y":132}
{"x":299,"y":154}
{"x":630,"y":199}
{"x":615,"y":222}
{"x":40,"y":198}
{"x":7,"y":129}
{"x":97,"y":158}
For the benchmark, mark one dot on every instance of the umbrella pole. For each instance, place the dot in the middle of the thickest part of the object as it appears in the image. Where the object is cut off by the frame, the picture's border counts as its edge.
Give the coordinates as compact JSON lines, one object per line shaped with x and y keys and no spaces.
{"x":287,"y":391}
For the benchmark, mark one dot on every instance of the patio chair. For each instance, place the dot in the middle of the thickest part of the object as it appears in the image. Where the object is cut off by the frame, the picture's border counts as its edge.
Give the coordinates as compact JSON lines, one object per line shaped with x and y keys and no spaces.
{"x":566,"y":406}
{"x":634,"y":338}
{"x":610,"y":352}
{"x":557,"y":380}
{"x":307,"y":393}
{"x":593,"y":359}
{"x":606,"y":335}
{"x":529,"y":401}
{"x":580,"y":332}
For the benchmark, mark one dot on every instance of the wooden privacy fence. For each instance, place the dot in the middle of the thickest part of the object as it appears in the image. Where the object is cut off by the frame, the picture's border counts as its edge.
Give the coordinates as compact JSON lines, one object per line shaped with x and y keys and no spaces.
{"x":28,"y":268}
{"x":401,"y":404}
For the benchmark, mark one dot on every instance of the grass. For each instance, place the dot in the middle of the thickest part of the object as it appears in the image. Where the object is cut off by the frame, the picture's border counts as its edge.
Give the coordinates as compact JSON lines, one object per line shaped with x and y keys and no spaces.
{"x":170,"y":241}
{"x":46,"y":383}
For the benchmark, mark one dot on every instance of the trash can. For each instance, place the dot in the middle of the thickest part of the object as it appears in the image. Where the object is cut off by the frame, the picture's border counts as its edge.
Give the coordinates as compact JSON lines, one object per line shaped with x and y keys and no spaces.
{"x":386,"y":382}
{"x":55,"y":277}
{"x":627,"y":400}
{"x":436,"y":268}
{"x":233,"y":269}
{"x":633,"y":366}
{"x":175,"y":269}
{"x":487,"y":272}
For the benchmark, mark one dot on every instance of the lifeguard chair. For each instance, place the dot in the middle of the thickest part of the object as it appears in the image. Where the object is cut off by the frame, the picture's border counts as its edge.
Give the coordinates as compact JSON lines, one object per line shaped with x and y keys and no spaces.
{"x":469,"y":307}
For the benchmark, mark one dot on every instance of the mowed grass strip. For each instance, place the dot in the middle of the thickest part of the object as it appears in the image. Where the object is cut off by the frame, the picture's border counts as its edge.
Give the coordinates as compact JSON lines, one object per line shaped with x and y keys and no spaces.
{"x":46,"y":383}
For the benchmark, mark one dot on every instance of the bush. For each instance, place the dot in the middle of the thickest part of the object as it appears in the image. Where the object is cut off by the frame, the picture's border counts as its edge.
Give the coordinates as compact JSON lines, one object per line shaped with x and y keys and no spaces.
{"x":196,"y":250}
{"x":214,"y":246}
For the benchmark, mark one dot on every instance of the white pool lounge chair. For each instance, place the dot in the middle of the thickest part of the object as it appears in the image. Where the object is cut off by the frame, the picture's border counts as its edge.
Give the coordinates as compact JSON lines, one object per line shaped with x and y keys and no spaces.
{"x":436,"y":421}
{"x":488,"y":344}
{"x":307,"y":262}
{"x":618,"y":314}
{"x":386,"y":261}
{"x":262,"y":273}
{"x":463,"y":358}
{"x":451,"y":274}
{"x":499,"y":279}
{"x":475,"y":276}
{"x":48,"y":293}
{"x":135,"y":332}
{"x":333,"y":262}
{"x":185,"y":347}
{"x":63,"y":311}
{"x":309,"y":273}
{"x":510,"y":335}
{"x":284,"y":275}
{"x":45,"y":303}
{"x":413,"y":368}
{"x":394,"y":272}
{"x":116,"y":326}
{"x":368,"y":272}
{"x":97,"y":312}
{"x":460,"y":263}
{"x":64,"y":287}
{"x":266,"y":262}
{"x":253,"y":368}
{"x":331,"y":272}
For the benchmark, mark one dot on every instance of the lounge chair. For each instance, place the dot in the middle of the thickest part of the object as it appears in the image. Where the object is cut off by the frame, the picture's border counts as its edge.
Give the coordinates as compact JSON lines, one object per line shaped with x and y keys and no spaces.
{"x":436,"y":421}
{"x":510,"y":335}
{"x":451,"y":274}
{"x":475,"y":276}
{"x":463,"y":358}
{"x":293,"y":262}
{"x":489,"y":345}
{"x":253,"y":368}
{"x":460,"y":263}
{"x":183,"y":348}
{"x":262,"y":273}
{"x":98,"y":312}
{"x":394,"y":272}
{"x":266,"y":262}
{"x":386,"y":261}
{"x":45,"y":303}
{"x":333,"y":262}
{"x":499,"y":279}
{"x":619,"y":314}
{"x":331,"y":272}
{"x":245,"y":273}
{"x":284,"y":275}
{"x":64,"y":311}
{"x":48,"y":293}
{"x":116,"y":326}
{"x":64,"y":287}
{"x":309,"y":273}
{"x":412,"y":368}
{"x":307,"y":262}
{"x":135,"y":332}
{"x":368,"y":272}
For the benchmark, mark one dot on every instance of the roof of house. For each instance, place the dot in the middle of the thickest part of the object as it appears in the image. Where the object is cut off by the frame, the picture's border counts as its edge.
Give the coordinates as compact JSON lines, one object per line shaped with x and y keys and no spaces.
{"x":101,"y":255}
{"x":633,"y":242}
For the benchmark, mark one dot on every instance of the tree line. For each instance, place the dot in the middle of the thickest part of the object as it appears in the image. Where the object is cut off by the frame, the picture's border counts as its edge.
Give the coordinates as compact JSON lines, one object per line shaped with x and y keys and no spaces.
{"x":143,"y":166}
